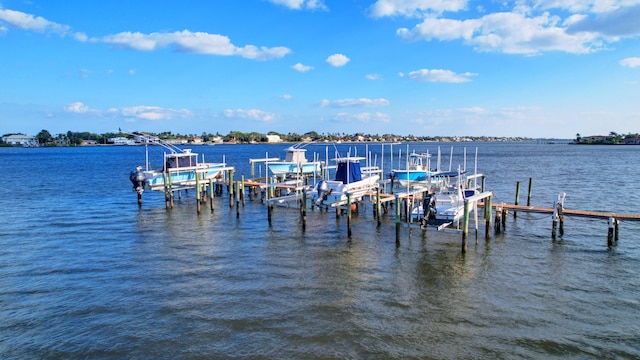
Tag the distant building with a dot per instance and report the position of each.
(274, 138)
(20, 139)
(631, 141)
(89, 142)
(121, 140)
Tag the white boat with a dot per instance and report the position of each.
(351, 183)
(417, 171)
(179, 170)
(446, 205)
(294, 164)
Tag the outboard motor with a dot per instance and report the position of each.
(137, 179)
(323, 191)
(428, 206)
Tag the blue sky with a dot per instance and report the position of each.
(544, 68)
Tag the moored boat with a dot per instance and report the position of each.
(350, 184)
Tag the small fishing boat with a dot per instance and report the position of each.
(294, 164)
(446, 205)
(417, 171)
(180, 169)
(351, 183)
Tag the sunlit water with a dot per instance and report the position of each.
(86, 273)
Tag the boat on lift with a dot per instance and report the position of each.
(294, 164)
(180, 168)
(351, 183)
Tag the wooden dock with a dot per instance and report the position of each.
(567, 212)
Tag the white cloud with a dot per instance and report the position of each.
(631, 62)
(511, 33)
(76, 107)
(253, 114)
(301, 4)
(364, 117)
(192, 42)
(301, 68)
(438, 75)
(139, 112)
(373, 77)
(286, 97)
(337, 60)
(415, 8)
(26, 21)
(355, 102)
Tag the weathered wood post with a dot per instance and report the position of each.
(610, 232)
(529, 194)
(465, 225)
(560, 219)
(231, 188)
(398, 209)
(237, 185)
(198, 192)
(515, 213)
(497, 224)
(378, 207)
(167, 201)
(303, 209)
(242, 190)
(487, 216)
(348, 215)
(615, 231)
(211, 193)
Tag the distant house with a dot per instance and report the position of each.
(121, 140)
(20, 139)
(274, 138)
(89, 142)
(631, 141)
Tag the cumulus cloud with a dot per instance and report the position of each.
(511, 33)
(253, 114)
(301, 4)
(355, 102)
(631, 62)
(301, 68)
(76, 107)
(286, 97)
(192, 42)
(415, 8)
(622, 21)
(439, 75)
(24, 21)
(373, 77)
(337, 60)
(364, 117)
(139, 112)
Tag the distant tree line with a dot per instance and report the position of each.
(612, 139)
(45, 138)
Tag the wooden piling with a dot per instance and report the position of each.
(465, 225)
(497, 223)
(348, 216)
(167, 202)
(378, 217)
(211, 193)
(398, 209)
(487, 216)
(515, 213)
(529, 193)
(303, 208)
(198, 192)
(610, 232)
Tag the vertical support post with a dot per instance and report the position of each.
(560, 220)
(398, 209)
(237, 191)
(198, 192)
(230, 188)
(498, 220)
(378, 206)
(465, 226)
(504, 219)
(269, 211)
(211, 193)
(348, 215)
(615, 230)
(303, 208)
(515, 213)
(611, 230)
(167, 202)
(529, 193)
(242, 190)
(487, 216)
(484, 180)
(554, 220)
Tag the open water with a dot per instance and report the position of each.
(86, 273)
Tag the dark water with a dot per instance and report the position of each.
(86, 273)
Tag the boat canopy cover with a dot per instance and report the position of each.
(296, 155)
(174, 162)
(348, 172)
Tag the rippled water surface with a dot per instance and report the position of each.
(86, 273)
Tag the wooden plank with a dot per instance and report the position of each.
(568, 212)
